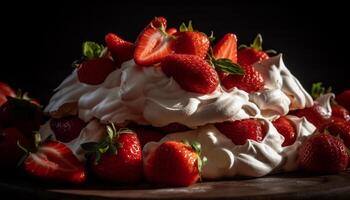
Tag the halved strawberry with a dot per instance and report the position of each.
(171, 31)
(120, 49)
(55, 161)
(226, 48)
(153, 44)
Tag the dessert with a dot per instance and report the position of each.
(204, 109)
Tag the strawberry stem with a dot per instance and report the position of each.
(257, 43)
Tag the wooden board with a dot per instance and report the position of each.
(283, 186)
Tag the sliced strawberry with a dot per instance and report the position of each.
(286, 128)
(120, 49)
(153, 44)
(171, 31)
(95, 71)
(55, 161)
(226, 48)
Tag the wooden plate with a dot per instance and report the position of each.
(282, 186)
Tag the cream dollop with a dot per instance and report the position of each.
(145, 95)
(253, 159)
(282, 91)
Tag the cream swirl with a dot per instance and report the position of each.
(147, 96)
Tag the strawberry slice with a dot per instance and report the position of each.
(55, 161)
(153, 44)
(226, 48)
(171, 31)
(120, 49)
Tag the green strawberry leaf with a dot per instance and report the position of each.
(184, 28)
(257, 43)
(226, 65)
(318, 90)
(92, 50)
(211, 37)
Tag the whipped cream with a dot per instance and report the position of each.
(146, 95)
(253, 159)
(282, 91)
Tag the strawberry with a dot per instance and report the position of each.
(171, 31)
(19, 112)
(67, 128)
(5, 91)
(117, 158)
(314, 115)
(226, 48)
(95, 71)
(120, 49)
(286, 128)
(240, 131)
(174, 127)
(54, 161)
(147, 134)
(192, 43)
(340, 112)
(252, 54)
(340, 127)
(174, 164)
(153, 43)
(10, 154)
(191, 72)
(322, 153)
(343, 99)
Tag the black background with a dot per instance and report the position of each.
(40, 40)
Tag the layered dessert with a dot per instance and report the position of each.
(231, 112)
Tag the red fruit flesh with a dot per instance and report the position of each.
(95, 71)
(123, 166)
(6, 90)
(192, 43)
(55, 161)
(226, 48)
(120, 49)
(249, 56)
(343, 99)
(172, 164)
(191, 72)
(286, 128)
(67, 128)
(322, 153)
(241, 130)
(171, 31)
(314, 115)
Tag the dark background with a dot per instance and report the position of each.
(40, 40)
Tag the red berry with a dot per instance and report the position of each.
(343, 99)
(147, 134)
(314, 115)
(249, 56)
(340, 112)
(192, 43)
(67, 128)
(95, 71)
(120, 49)
(286, 128)
(322, 153)
(226, 48)
(240, 131)
(5, 90)
(191, 72)
(174, 127)
(340, 127)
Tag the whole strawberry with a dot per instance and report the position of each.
(10, 153)
(54, 161)
(67, 128)
(286, 128)
(252, 54)
(188, 41)
(5, 91)
(94, 67)
(120, 49)
(343, 99)
(340, 127)
(322, 153)
(340, 112)
(146, 134)
(20, 113)
(314, 115)
(191, 72)
(118, 158)
(174, 164)
(240, 131)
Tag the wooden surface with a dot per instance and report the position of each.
(283, 186)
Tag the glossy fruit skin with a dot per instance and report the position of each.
(120, 49)
(240, 131)
(339, 111)
(191, 72)
(343, 99)
(54, 161)
(95, 71)
(192, 43)
(5, 91)
(226, 48)
(172, 164)
(249, 56)
(22, 114)
(340, 127)
(67, 128)
(147, 134)
(314, 115)
(10, 153)
(286, 128)
(125, 165)
(323, 154)
(152, 45)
